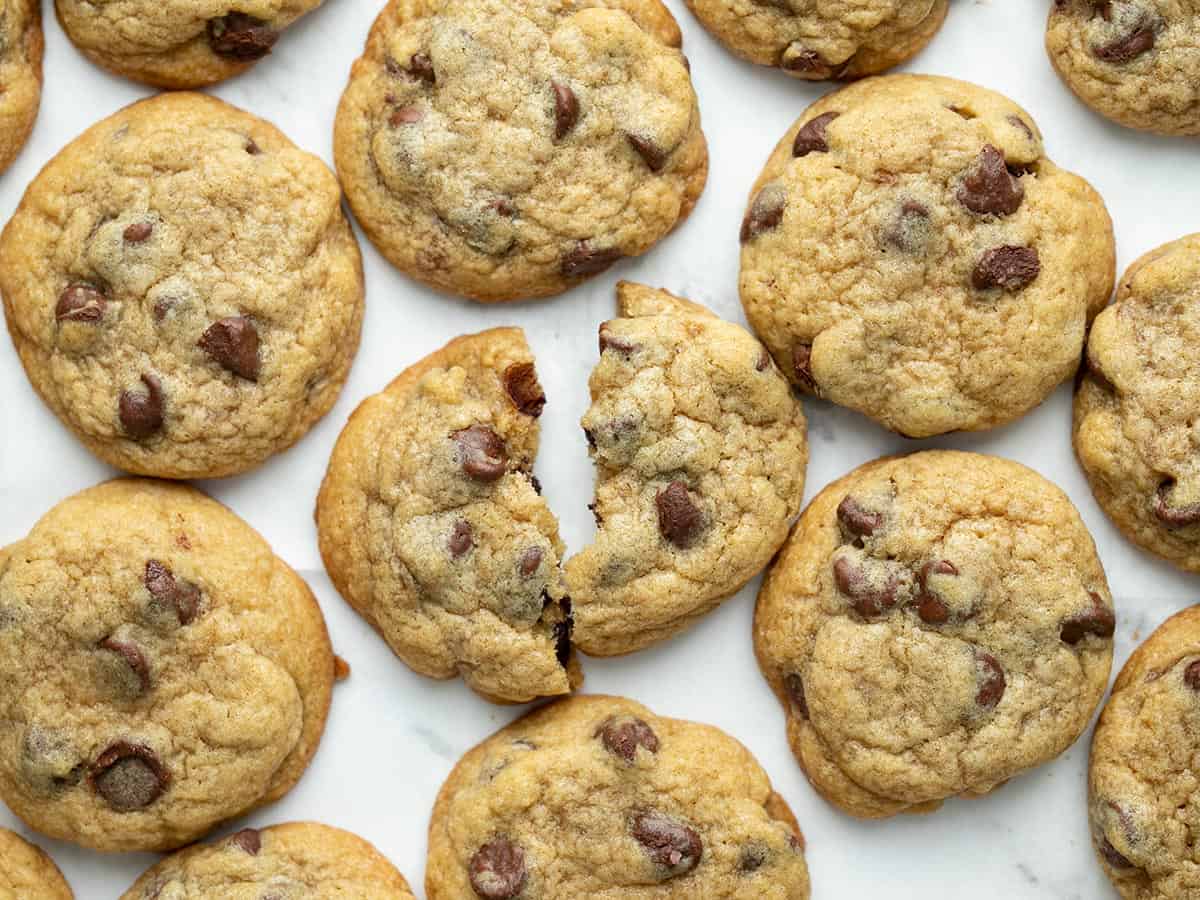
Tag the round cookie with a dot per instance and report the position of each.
(1136, 62)
(597, 796)
(816, 41)
(307, 858)
(700, 451)
(501, 149)
(936, 624)
(183, 44)
(27, 873)
(1137, 404)
(183, 288)
(1142, 798)
(909, 252)
(161, 670)
(431, 526)
(21, 46)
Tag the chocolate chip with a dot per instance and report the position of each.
(610, 341)
(1099, 621)
(562, 632)
(679, 519)
(669, 843)
(1110, 853)
(583, 260)
(1112, 856)
(1139, 38)
(764, 360)
(138, 232)
(811, 136)
(856, 518)
(753, 857)
(802, 367)
(1173, 516)
(460, 540)
(794, 685)
(420, 67)
(241, 37)
(80, 302)
(867, 598)
(566, 109)
(654, 156)
(908, 228)
(1008, 268)
(128, 776)
(132, 656)
(405, 115)
(622, 735)
(1191, 675)
(248, 839)
(535, 484)
(182, 597)
(252, 147)
(497, 870)
(521, 382)
(930, 607)
(989, 188)
(991, 680)
(765, 213)
(141, 414)
(798, 58)
(233, 343)
(481, 452)
(1018, 122)
(530, 561)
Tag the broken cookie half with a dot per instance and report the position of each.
(700, 452)
(432, 528)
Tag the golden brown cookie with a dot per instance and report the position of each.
(911, 253)
(296, 860)
(700, 453)
(27, 873)
(935, 624)
(431, 526)
(21, 47)
(1137, 404)
(596, 796)
(161, 670)
(501, 149)
(183, 289)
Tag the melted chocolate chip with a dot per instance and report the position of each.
(521, 382)
(856, 519)
(233, 344)
(461, 539)
(566, 110)
(182, 597)
(405, 115)
(530, 561)
(141, 414)
(765, 213)
(794, 685)
(610, 341)
(583, 260)
(908, 229)
(1138, 39)
(128, 776)
(654, 156)
(80, 302)
(669, 843)
(623, 735)
(1008, 268)
(1191, 676)
(240, 37)
(138, 232)
(989, 188)
(764, 360)
(497, 870)
(1099, 621)
(867, 599)
(930, 607)
(420, 67)
(132, 657)
(991, 680)
(562, 633)
(753, 857)
(1173, 516)
(811, 136)
(248, 840)
(481, 452)
(679, 519)
(802, 367)
(1112, 856)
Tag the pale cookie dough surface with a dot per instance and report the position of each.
(822, 39)
(27, 873)
(161, 670)
(178, 43)
(511, 148)
(1136, 62)
(909, 252)
(597, 797)
(431, 526)
(21, 46)
(296, 860)
(183, 288)
(1142, 796)
(1136, 409)
(700, 452)
(936, 624)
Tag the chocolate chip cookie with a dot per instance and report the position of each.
(700, 451)
(182, 44)
(431, 526)
(299, 859)
(27, 873)
(841, 39)
(20, 74)
(1137, 404)
(1136, 62)
(597, 796)
(501, 149)
(936, 624)
(161, 670)
(1142, 798)
(183, 288)
(909, 252)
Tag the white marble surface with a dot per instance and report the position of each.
(392, 735)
